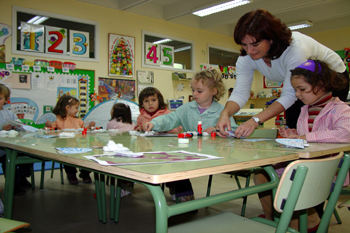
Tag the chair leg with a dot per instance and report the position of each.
(52, 169)
(337, 217)
(42, 175)
(163, 187)
(32, 178)
(61, 171)
(209, 185)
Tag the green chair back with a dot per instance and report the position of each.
(8, 225)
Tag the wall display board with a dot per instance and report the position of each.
(121, 55)
(35, 93)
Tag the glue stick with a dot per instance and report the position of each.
(199, 128)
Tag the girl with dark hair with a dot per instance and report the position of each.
(121, 118)
(269, 47)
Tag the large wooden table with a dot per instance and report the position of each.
(236, 155)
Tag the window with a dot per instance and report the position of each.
(222, 56)
(91, 28)
(183, 52)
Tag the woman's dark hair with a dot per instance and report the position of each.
(262, 25)
(63, 101)
(121, 112)
(151, 91)
(324, 78)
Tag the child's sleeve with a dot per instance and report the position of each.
(166, 122)
(234, 125)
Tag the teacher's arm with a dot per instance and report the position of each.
(245, 129)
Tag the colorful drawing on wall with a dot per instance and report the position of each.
(56, 40)
(272, 84)
(32, 37)
(121, 55)
(79, 44)
(5, 32)
(66, 91)
(116, 89)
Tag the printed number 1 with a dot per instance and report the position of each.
(152, 54)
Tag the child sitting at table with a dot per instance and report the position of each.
(121, 118)
(152, 105)
(23, 170)
(323, 118)
(207, 88)
(66, 110)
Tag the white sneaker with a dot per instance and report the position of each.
(173, 197)
(123, 193)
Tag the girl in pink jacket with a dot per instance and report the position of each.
(121, 118)
(151, 103)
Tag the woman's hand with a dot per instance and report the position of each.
(245, 129)
(223, 123)
(209, 130)
(147, 126)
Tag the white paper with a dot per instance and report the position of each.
(38, 80)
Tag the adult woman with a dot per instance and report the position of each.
(271, 48)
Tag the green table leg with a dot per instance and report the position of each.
(116, 196)
(111, 194)
(103, 198)
(98, 195)
(11, 156)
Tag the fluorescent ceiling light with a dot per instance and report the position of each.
(32, 20)
(300, 25)
(182, 49)
(42, 19)
(161, 41)
(221, 7)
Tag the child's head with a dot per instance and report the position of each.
(4, 95)
(208, 79)
(66, 106)
(121, 112)
(313, 79)
(151, 99)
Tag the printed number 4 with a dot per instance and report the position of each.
(152, 54)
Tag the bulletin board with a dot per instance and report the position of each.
(34, 94)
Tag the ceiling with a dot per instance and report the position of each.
(324, 14)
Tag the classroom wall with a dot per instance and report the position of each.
(120, 22)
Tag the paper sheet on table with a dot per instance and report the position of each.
(150, 158)
(72, 150)
(297, 143)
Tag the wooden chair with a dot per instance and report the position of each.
(304, 184)
(246, 173)
(8, 225)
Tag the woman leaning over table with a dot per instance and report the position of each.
(270, 47)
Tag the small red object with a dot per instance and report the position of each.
(181, 135)
(213, 134)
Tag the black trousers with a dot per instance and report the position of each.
(293, 112)
(22, 171)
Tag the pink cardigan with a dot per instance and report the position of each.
(332, 124)
(146, 117)
(114, 124)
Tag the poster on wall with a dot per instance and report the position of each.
(79, 44)
(167, 56)
(109, 88)
(32, 37)
(204, 66)
(55, 40)
(121, 55)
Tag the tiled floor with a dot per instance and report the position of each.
(67, 208)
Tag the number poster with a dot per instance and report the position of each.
(121, 55)
(159, 55)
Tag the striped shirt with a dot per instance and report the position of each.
(316, 108)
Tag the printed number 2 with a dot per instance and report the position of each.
(79, 43)
(53, 47)
(152, 54)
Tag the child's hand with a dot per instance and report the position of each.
(92, 124)
(287, 132)
(48, 123)
(147, 126)
(138, 128)
(7, 127)
(210, 130)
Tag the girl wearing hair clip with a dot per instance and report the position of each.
(323, 118)
(66, 110)
(121, 118)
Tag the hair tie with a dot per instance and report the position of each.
(70, 100)
(311, 66)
